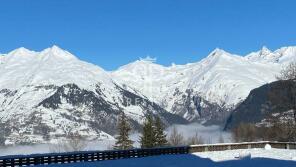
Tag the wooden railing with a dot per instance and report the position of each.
(91, 156)
(86, 156)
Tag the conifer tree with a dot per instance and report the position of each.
(2, 134)
(147, 139)
(122, 140)
(160, 136)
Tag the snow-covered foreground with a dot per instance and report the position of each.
(280, 154)
(259, 158)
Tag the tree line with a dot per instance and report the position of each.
(278, 131)
(152, 135)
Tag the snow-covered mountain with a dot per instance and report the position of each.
(50, 94)
(207, 90)
(281, 56)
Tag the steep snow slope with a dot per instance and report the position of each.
(208, 89)
(52, 94)
(225, 78)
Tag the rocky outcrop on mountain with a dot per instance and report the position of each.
(269, 102)
(195, 108)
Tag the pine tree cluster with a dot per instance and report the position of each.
(153, 134)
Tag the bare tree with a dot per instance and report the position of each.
(74, 142)
(221, 139)
(195, 139)
(57, 147)
(209, 140)
(288, 72)
(245, 132)
(176, 138)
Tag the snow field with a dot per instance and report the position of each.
(280, 154)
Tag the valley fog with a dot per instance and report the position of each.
(209, 134)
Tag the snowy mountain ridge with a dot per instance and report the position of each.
(282, 55)
(23, 66)
(221, 79)
(50, 94)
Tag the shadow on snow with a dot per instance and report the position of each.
(187, 160)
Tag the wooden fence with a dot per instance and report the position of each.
(91, 156)
(86, 156)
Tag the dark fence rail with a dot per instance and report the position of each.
(91, 156)
(86, 156)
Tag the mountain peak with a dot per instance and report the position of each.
(264, 55)
(145, 65)
(57, 52)
(55, 48)
(265, 51)
(218, 53)
(21, 52)
(147, 59)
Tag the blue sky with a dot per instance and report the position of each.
(111, 33)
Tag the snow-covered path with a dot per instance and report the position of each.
(260, 158)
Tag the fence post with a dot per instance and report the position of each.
(4, 162)
(12, 162)
(287, 146)
(206, 148)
